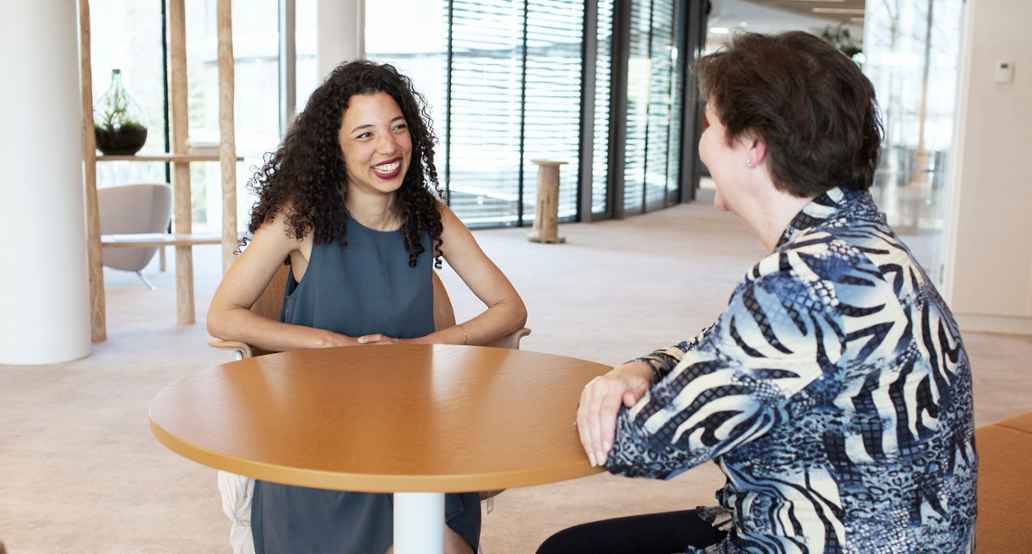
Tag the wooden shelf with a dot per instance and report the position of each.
(165, 158)
(181, 156)
(156, 240)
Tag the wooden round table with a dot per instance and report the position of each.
(414, 420)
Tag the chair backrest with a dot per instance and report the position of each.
(270, 302)
(129, 209)
(444, 313)
(135, 208)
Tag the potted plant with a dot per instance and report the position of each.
(840, 37)
(117, 121)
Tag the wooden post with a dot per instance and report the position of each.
(98, 308)
(227, 144)
(546, 218)
(183, 221)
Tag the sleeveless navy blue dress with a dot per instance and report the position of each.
(363, 288)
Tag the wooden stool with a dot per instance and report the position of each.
(546, 219)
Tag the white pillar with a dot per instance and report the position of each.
(44, 298)
(341, 33)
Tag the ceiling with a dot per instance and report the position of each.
(778, 16)
(843, 11)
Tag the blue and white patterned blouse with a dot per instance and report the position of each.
(834, 393)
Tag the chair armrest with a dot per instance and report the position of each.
(241, 348)
(512, 340)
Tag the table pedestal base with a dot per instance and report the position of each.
(418, 522)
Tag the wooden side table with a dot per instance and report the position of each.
(546, 218)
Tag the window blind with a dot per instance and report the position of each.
(673, 176)
(514, 97)
(485, 111)
(603, 81)
(552, 107)
(660, 104)
(638, 90)
(654, 90)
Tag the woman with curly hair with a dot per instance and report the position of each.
(348, 201)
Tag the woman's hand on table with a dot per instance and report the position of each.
(329, 339)
(600, 402)
(378, 338)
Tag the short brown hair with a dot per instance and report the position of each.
(811, 104)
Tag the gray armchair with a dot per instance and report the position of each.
(131, 209)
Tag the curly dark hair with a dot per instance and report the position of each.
(811, 104)
(307, 176)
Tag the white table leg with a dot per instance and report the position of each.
(418, 522)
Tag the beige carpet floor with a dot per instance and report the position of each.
(80, 472)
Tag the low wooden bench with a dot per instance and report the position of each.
(1004, 486)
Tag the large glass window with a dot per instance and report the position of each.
(306, 44)
(602, 125)
(654, 97)
(256, 75)
(553, 98)
(912, 56)
(506, 92)
(512, 75)
(486, 111)
(127, 36)
(503, 83)
(412, 36)
(636, 118)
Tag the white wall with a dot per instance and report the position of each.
(44, 298)
(989, 248)
(341, 33)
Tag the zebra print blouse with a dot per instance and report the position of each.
(834, 392)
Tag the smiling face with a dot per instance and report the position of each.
(376, 144)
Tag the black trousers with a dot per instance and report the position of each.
(662, 533)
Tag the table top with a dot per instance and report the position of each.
(398, 418)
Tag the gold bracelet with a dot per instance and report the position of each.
(465, 335)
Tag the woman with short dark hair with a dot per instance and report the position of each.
(834, 392)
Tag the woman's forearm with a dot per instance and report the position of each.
(240, 324)
(496, 322)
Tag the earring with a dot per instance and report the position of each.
(749, 163)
